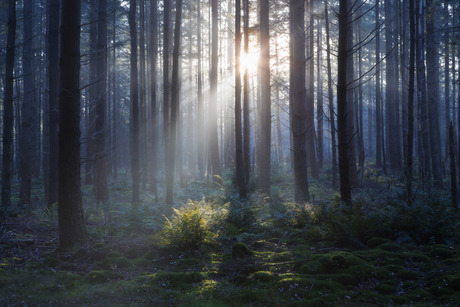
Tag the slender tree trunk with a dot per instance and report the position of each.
(330, 97)
(424, 153)
(175, 97)
(153, 97)
(142, 97)
(298, 100)
(92, 92)
(447, 78)
(114, 131)
(319, 100)
(378, 116)
(8, 113)
(343, 110)
(27, 137)
(433, 96)
(410, 107)
(238, 127)
(453, 176)
(246, 106)
(201, 152)
(134, 122)
(311, 134)
(100, 163)
(70, 211)
(265, 103)
(213, 139)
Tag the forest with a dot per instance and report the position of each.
(229, 152)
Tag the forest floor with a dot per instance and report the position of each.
(217, 251)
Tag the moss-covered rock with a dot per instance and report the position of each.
(241, 250)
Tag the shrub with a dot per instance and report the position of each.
(186, 229)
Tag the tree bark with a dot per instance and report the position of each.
(213, 139)
(298, 101)
(410, 107)
(330, 97)
(175, 91)
(238, 124)
(71, 220)
(153, 97)
(433, 97)
(28, 128)
(246, 106)
(343, 110)
(8, 113)
(53, 104)
(100, 163)
(265, 103)
(134, 122)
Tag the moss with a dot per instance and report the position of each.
(376, 241)
(263, 276)
(418, 295)
(385, 288)
(241, 250)
(141, 262)
(391, 247)
(178, 280)
(442, 251)
(98, 276)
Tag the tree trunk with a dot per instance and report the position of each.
(201, 152)
(100, 163)
(432, 66)
(213, 139)
(330, 97)
(175, 91)
(453, 176)
(134, 122)
(311, 135)
(298, 100)
(8, 113)
(53, 85)
(246, 106)
(153, 97)
(27, 138)
(265, 103)
(70, 211)
(424, 153)
(319, 103)
(410, 107)
(238, 124)
(343, 116)
(378, 116)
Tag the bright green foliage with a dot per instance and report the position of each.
(187, 228)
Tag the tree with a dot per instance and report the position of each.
(246, 107)
(298, 100)
(378, 116)
(153, 48)
(311, 134)
(391, 88)
(100, 163)
(53, 98)
(433, 97)
(330, 97)
(410, 107)
(343, 116)
(134, 122)
(213, 140)
(424, 147)
(8, 116)
(265, 105)
(70, 212)
(174, 104)
(238, 124)
(28, 140)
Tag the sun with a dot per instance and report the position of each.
(249, 61)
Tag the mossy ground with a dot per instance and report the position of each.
(266, 252)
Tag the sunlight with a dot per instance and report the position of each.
(249, 61)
